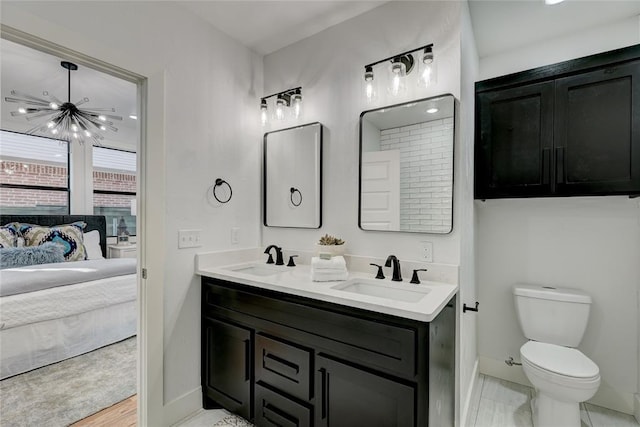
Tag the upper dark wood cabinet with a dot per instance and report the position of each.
(569, 129)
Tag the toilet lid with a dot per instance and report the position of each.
(560, 360)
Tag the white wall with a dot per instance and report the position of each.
(202, 124)
(587, 243)
(330, 66)
(468, 294)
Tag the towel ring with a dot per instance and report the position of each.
(219, 182)
(294, 191)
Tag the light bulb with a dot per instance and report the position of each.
(397, 74)
(22, 110)
(87, 133)
(280, 103)
(369, 90)
(264, 118)
(427, 71)
(50, 125)
(54, 106)
(74, 128)
(296, 100)
(75, 135)
(54, 131)
(102, 118)
(103, 128)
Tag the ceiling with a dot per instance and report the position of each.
(266, 26)
(504, 25)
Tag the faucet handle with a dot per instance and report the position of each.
(380, 274)
(291, 263)
(270, 260)
(414, 278)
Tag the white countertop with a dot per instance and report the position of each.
(297, 281)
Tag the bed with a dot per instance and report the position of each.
(45, 319)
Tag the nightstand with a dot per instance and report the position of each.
(121, 251)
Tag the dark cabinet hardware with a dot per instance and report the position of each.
(415, 279)
(291, 262)
(380, 274)
(465, 308)
(279, 258)
(397, 273)
(324, 392)
(559, 165)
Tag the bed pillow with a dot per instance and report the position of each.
(30, 255)
(69, 236)
(8, 237)
(92, 245)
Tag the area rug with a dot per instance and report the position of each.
(233, 420)
(67, 391)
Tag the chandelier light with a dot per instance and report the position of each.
(64, 120)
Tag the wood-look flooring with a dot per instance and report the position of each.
(122, 414)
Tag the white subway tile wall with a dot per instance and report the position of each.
(426, 173)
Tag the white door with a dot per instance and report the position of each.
(380, 191)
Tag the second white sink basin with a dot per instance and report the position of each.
(383, 289)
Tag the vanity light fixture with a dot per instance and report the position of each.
(288, 102)
(400, 66)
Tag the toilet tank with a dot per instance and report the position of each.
(552, 315)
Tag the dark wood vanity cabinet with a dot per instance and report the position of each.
(569, 129)
(282, 360)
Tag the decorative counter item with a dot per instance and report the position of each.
(331, 246)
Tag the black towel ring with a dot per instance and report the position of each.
(293, 191)
(219, 182)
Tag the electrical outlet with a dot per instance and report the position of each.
(234, 235)
(189, 239)
(426, 251)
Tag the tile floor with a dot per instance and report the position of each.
(499, 403)
(496, 403)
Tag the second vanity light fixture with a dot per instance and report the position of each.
(287, 103)
(400, 66)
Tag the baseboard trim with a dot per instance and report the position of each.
(606, 396)
(470, 393)
(183, 407)
(636, 404)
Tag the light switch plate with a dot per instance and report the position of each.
(189, 239)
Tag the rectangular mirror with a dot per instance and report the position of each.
(293, 177)
(406, 167)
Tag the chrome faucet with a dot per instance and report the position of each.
(279, 259)
(397, 274)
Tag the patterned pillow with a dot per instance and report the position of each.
(68, 235)
(8, 237)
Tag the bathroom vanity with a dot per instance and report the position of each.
(281, 359)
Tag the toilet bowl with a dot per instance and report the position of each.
(563, 377)
(554, 321)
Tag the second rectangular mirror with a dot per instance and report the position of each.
(406, 167)
(293, 177)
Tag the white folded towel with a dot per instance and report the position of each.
(335, 263)
(329, 275)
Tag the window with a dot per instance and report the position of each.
(114, 189)
(34, 175)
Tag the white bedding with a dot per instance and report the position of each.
(64, 301)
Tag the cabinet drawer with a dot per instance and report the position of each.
(272, 409)
(283, 366)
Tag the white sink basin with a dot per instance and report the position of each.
(383, 289)
(256, 270)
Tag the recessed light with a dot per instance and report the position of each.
(552, 2)
(133, 117)
(432, 110)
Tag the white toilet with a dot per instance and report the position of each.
(554, 320)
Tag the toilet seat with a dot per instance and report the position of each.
(559, 361)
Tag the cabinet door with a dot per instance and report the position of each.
(597, 131)
(514, 137)
(347, 396)
(227, 365)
